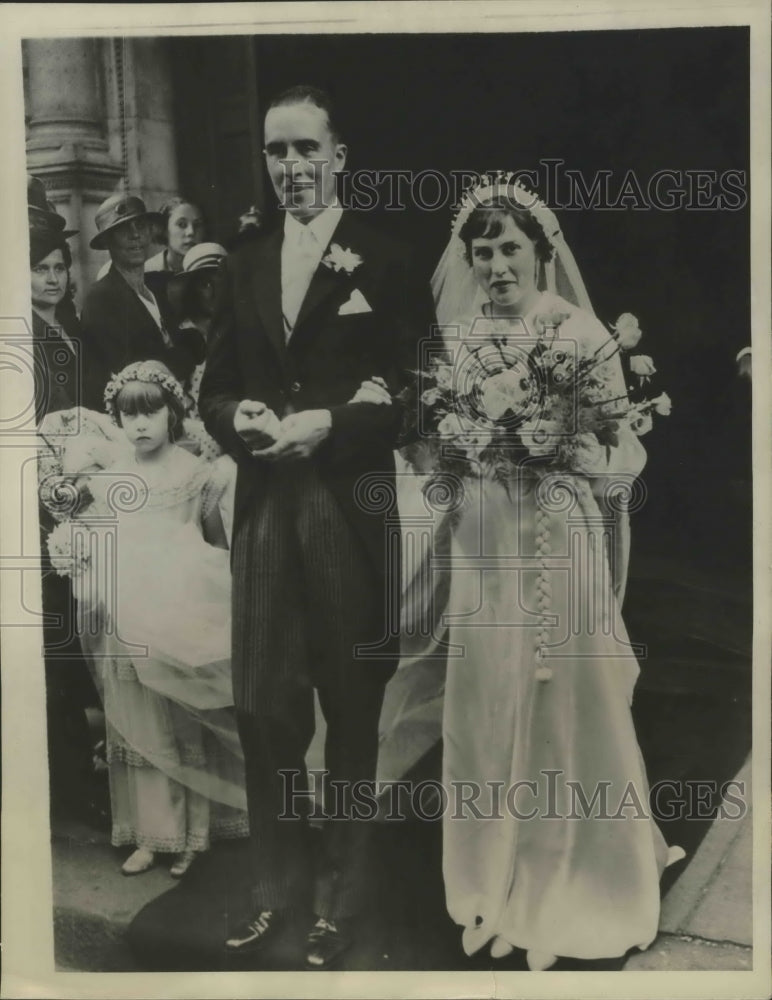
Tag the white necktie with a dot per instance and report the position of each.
(298, 266)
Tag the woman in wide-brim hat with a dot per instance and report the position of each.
(116, 211)
(126, 318)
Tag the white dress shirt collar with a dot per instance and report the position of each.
(321, 227)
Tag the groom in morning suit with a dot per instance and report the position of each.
(306, 314)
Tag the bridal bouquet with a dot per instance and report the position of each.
(502, 404)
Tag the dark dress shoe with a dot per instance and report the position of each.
(326, 943)
(251, 934)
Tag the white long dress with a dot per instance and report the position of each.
(532, 571)
(157, 630)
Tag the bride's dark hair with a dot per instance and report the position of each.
(487, 222)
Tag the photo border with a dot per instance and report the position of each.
(27, 884)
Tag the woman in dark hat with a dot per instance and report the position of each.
(123, 319)
(59, 385)
(55, 329)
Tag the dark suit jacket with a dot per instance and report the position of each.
(328, 356)
(59, 383)
(118, 330)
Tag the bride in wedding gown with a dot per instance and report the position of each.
(556, 853)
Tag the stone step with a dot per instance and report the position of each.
(706, 922)
(670, 953)
(94, 902)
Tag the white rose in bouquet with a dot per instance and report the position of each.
(507, 390)
(627, 331)
(642, 365)
(451, 426)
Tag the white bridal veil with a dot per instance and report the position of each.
(456, 292)
(411, 722)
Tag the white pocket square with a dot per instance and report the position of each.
(356, 304)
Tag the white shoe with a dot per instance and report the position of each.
(538, 961)
(138, 862)
(182, 862)
(500, 947)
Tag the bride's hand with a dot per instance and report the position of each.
(372, 390)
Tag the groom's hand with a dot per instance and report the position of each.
(255, 424)
(299, 436)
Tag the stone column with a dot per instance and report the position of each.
(65, 93)
(67, 137)
(99, 118)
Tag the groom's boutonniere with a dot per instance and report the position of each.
(340, 259)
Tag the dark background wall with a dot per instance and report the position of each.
(617, 100)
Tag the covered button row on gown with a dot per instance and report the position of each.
(544, 590)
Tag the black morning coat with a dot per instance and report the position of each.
(330, 353)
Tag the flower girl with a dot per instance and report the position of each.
(154, 597)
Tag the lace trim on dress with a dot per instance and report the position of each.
(122, 489)
(230, 828)
(187, 754)
(185, 489)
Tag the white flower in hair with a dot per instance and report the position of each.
(143, 371)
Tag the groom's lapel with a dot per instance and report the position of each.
(267, 289)
(325, 280)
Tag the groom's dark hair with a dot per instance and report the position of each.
(306, 94)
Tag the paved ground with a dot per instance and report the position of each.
(706, 920)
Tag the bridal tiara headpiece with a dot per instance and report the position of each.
(142, 371)
(504, 185)
(454, 285)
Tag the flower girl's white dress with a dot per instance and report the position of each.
(156, 599)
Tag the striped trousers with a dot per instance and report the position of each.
(303, 591)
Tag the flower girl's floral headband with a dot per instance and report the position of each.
(142, 371)
(502, 185)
